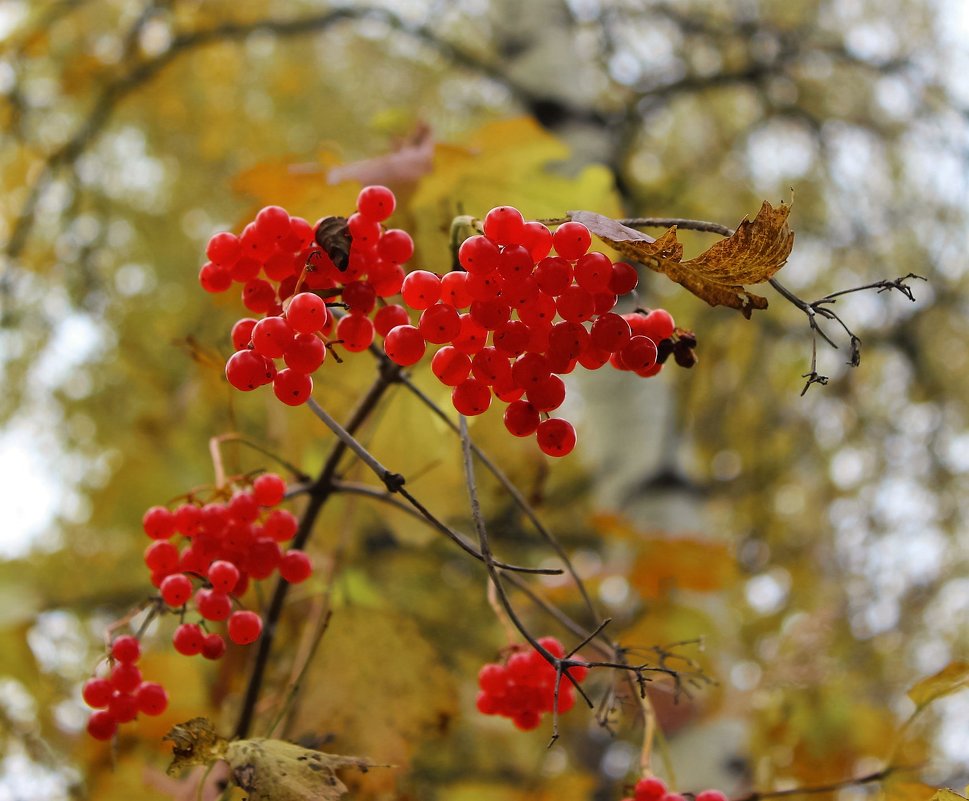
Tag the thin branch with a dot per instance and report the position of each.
(869, 778)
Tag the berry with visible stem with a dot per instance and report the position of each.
(188, 639)
(571, 240)
(244, 627)
(306, 313)
(649, 789)
(242, 333)
(151, 698)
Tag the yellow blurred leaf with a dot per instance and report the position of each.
(952, 678)
(682, 564)
(755, 252)
(945, 794)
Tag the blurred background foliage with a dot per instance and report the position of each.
(816, 544)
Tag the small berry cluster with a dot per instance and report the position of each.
(525, 323)
(120, 696)
(653, 789)
(287, 268)
(523, 687)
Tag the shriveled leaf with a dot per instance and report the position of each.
(755, 252)
(952, 678)
(274, 770)
(269, 770)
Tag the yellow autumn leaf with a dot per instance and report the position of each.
(952, 678)
(755, 252)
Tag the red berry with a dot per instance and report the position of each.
(512, 337)
(638, 353)
(97, 693)
(102, 725)
(658, 325)
(537, 239)
(576, 304)
(527, 719)
(479, 255)
(593, 272)
(306, 353)
(272, 223)
(490, 365)
(386, 278)
(188, 639)
(151, 698)
(504, 225)
(213, 646)
(471, 397)
(306, 313)
(454, 290)
(159, 523)
(224, 249)
(242, 333)
(280, 524)
(556, 437)
(571, 240)
(271, 336)
(295, 566)
(244, 627)
(390, 317)
(376, 203)
(268, 489)
(451, 366)
(395, 246)
(650, 789)
(487, 704)
(356, 332)
(553, 646)
(404, 345)
(521, 418)
(213, 605)
(127, 648)
(421, 289)
(553, 275)
(490, 314)
(214, 278)
(710, 795)
(548, 394)
(515, 265)
(292, 387)
(247, 370)
(263, 558)
(473, 336)
(258, 295)
(440, 323)
(123, 707)
(360, 296)
(176, 589)
(624, 278)
(493, 678)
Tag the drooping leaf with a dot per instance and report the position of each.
(952, 678)
(269, 770)
(755, 252)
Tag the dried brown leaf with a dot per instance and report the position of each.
(755, 252)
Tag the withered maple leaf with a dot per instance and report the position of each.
(755, 252)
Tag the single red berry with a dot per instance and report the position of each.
(538, 312)
(566, 340)
(571, 240)
(292, 387)
(224, 249)
(440, 323)
(553, 646)
(376, 203)
(593, 272)
(650, 789)
(658, 325)
(553, 275)
(556, 437)
(188, 639)
(272, 223)
(213, 646)
(176, 589)
(151, 698)
(390, 317)
(530, 369)
(404, 345)
(515, 265)
(624, 278)
(493, 678)
(102, 725)
(710, 795)
(487, 704)
(478, 255)
(576, 304)
(504, 225)
(395, 246)
(548, 394)
(360, 296)
(473, 336)
(306, 353)
(244, 627)
(213, 605)
(491, 366)
(454, 290)
(268, 489)
(512, 337)
(527, 719)
(386, 278)
(242, 333)
(242, 507)
(245, 269)
(214, 278)
(295, 566)
(263, 558)
(471, 397)
(638, 353)
(306, 313)
(123, 707)
(363, 232)
(355, 331)
(247, 370)
(451, 366)
(223, 575)
(282, 266)
(126, 648)
(280, 524)
(484, 286)
(258, 295)
(97, 693)
(537, 239)
(159, 523)
(521, 418)
(421, 289)
(490, 314)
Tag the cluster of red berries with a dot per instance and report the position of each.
(119, 697)
(509, 323)
(523, 686)
(653, 789)
(287, 268)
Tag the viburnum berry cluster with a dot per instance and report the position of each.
(508, 324)
(652, 789)
(223, 546)
(287, 268)
(523, 686)
(122, 694)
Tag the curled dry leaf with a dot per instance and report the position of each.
(757, 250)
(269, 770)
